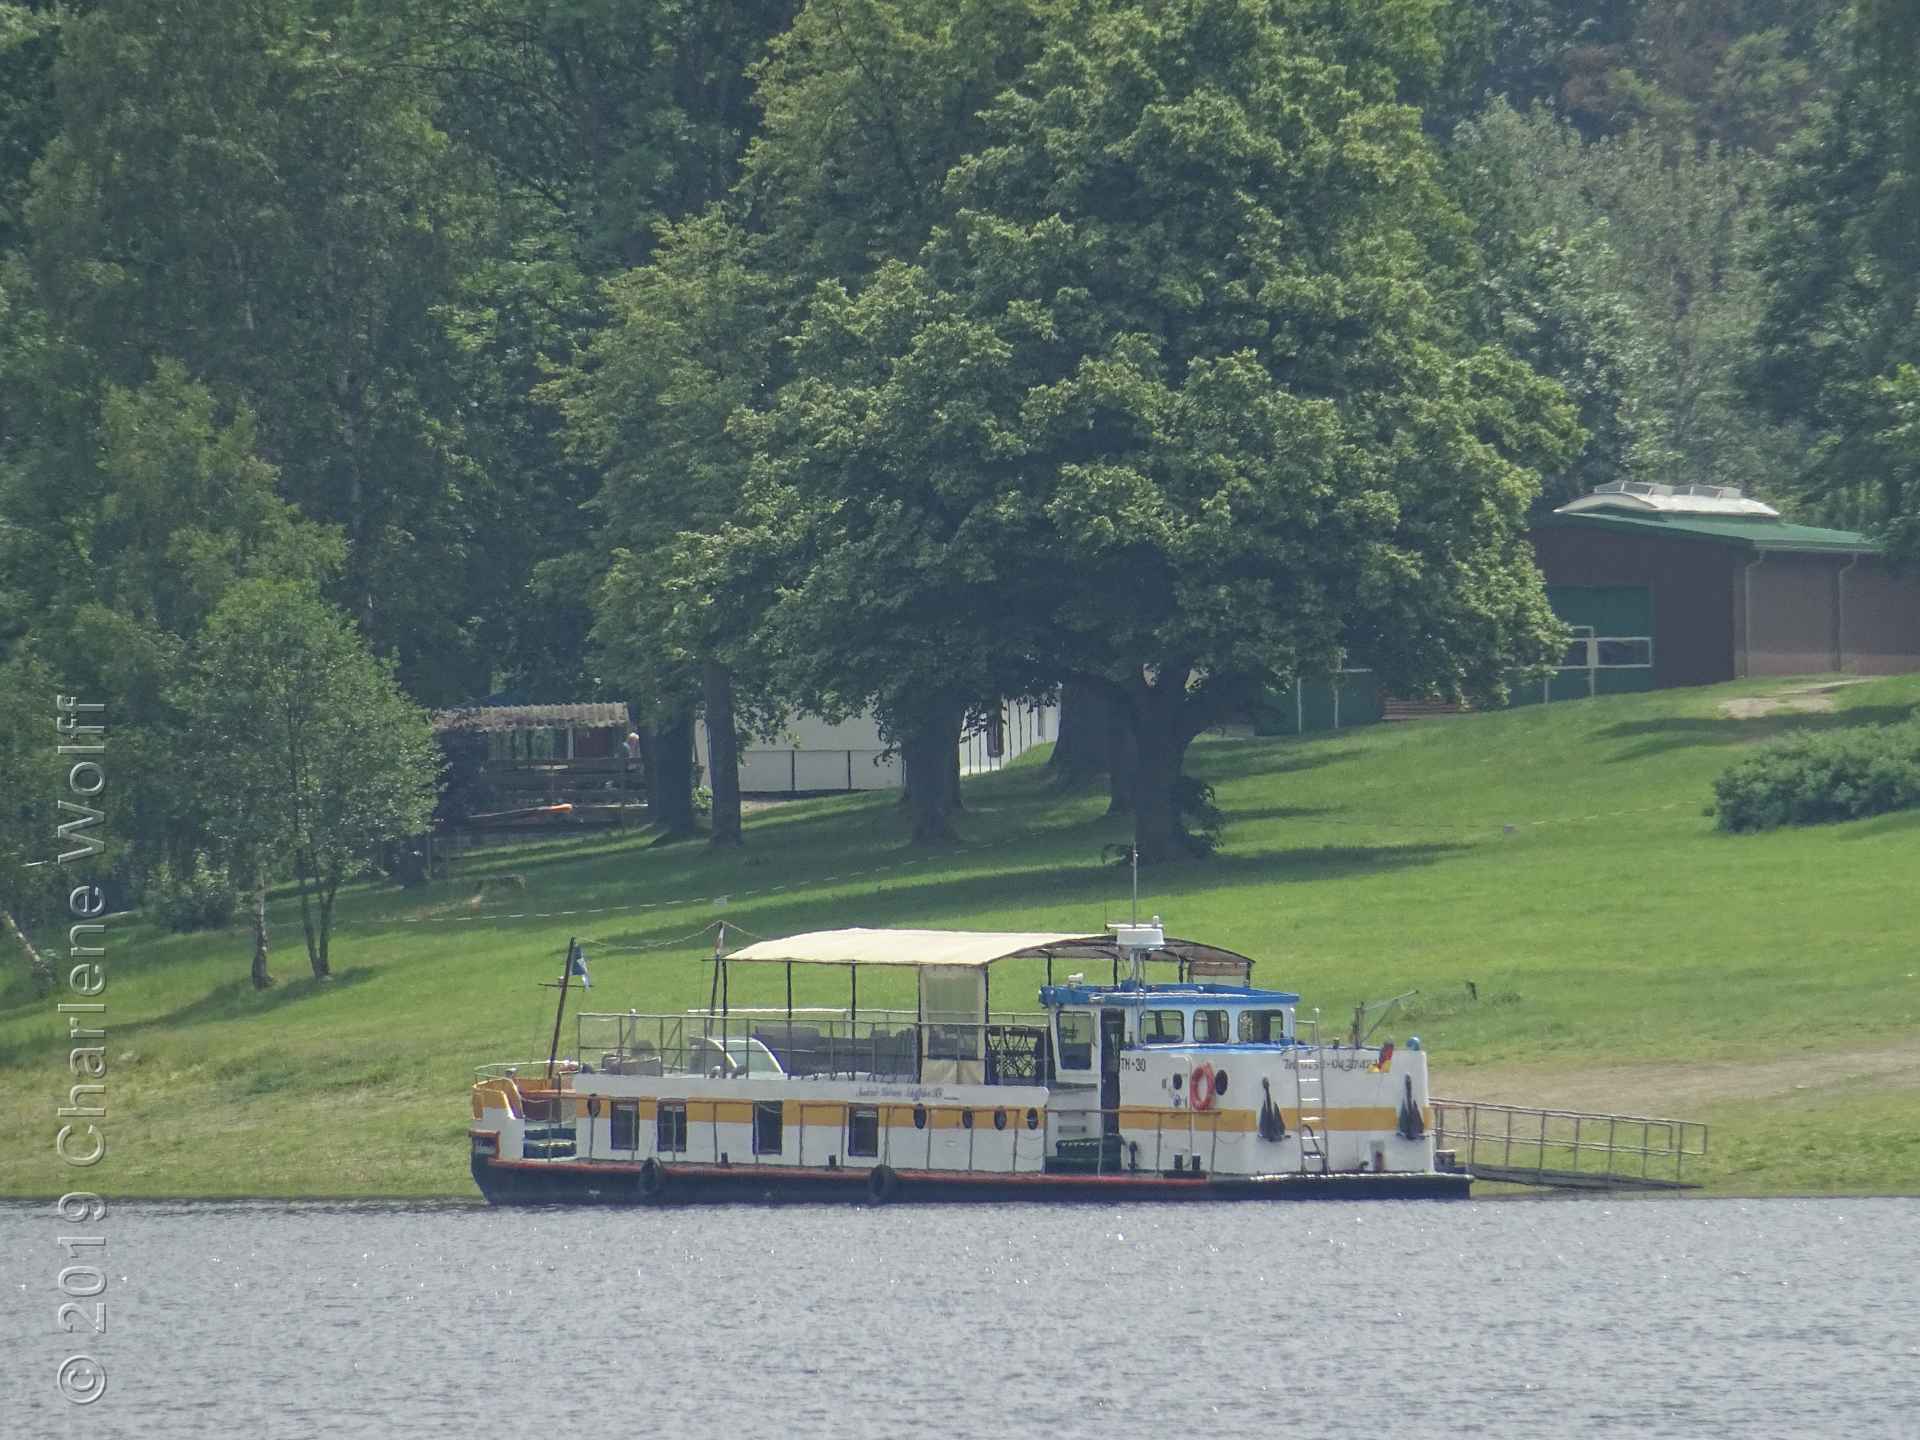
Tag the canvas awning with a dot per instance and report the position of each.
(972, 948)
(915, 948)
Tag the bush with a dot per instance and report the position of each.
(1809, 777)
(203, 901)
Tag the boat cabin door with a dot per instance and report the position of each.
(1113, 1032)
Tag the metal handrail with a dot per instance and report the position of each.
(1569, 1133)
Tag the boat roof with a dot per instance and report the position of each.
(1140, 996)
(974, 949)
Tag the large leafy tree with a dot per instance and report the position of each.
(234, 186)
(691, 344)
(598, 123)
(1840, 253)
(310, 757)
(1178, 402)
(31, 784)
(1620, 267)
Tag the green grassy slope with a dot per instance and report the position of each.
(1622, 954)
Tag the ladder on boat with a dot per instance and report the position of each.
(1310, 1103)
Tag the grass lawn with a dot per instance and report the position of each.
(1579, 933)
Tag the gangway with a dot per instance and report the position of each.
(1568, 1149)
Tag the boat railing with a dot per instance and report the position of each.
(1009, 1048)
(523, 1069)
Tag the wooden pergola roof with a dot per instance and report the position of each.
(594, 715)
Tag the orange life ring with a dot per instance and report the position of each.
(1200, 1087)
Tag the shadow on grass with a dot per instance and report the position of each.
(1900, 822)
(233, 1000)
(1239, 815)
(238, 1000)
(950, 900)
(1657, 737)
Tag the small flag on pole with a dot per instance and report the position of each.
(578, 968)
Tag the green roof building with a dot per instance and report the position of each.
(1716, 586)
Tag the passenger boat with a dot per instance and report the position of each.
(1195, 1086)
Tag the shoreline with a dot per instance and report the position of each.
(1495, 1190)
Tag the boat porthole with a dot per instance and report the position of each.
(1000, 1119)
(1219, 1082)
(1178, 1079)
(966, 1119)
(919, 1117)
(1033, 1118)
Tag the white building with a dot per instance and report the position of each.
(813, 756)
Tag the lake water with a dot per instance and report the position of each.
(1539, 1318)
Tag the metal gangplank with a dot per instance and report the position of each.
(1569, 1149)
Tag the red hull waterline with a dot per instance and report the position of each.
(552, 1182)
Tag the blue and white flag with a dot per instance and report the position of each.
(578, 967)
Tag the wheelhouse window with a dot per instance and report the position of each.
(1162, 1027)
(1263, 1027)
(769, 1127)
(670, 1128)
(863, 1131)
(625, 1120)
(1076, 1040)
(1210, 1027)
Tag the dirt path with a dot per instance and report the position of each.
(1803, 699)
(1678, 1089)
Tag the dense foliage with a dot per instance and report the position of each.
(895, 356)
(1815, 776)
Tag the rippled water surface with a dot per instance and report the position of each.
(1536, 1318)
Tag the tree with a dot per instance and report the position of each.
(1176, 403)
(30, 784)
(691, 343)
(1839, 253)
(236, 187)
(311, 757)
(1620, 267)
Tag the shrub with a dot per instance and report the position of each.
(201, 901)
(1808, 777)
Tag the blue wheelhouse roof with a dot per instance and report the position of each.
(1128, 993)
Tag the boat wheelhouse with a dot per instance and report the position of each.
(1197, 1086)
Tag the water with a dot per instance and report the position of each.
(1527, 1318)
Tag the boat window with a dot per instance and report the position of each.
(769, 1122)
(1210, 1027)
(863, 1130)
(1263, 1027)
(1076, 1040)
(670, 1128)
(626, 1124)
(1162, 1027)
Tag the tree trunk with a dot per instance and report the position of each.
(670, 801)
(928, 759)
(314, 931)
(955, 804)
(261, 979)
(647, 758)
(329, 889)
(723, 753)
(306, 911)
(1161, 738)
(1081, 749)
(37, 965)
(1123, 758)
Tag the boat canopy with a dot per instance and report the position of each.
(972, 949)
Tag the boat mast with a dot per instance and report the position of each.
(566, 975)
